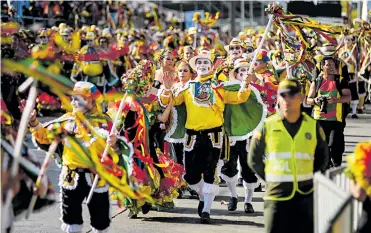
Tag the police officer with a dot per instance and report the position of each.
(285, 153)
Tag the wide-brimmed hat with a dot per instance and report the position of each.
(234, 42)
(238, 64)
(203, 54)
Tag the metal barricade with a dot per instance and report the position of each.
(342, 181)
(335, 211)
(328, 198)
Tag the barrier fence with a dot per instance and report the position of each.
(335, 210)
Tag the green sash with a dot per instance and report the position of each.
(240, 120)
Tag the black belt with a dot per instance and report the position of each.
(203, 132)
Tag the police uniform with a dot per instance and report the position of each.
(286, 155)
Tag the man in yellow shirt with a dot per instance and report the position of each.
(76, 178)
(205, 102)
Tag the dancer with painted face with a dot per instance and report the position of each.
(235, 52)
(239, 122)
(76, 178)
(205, 102)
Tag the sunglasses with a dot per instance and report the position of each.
(43, 37)
(234, 47)
(103, 42)
(249, 50)
(89, 41)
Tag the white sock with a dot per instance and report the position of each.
(248, 195)
(232, 188)
(354, 106)
(209, 198)
(219, 167)
(210, 191)
(199, 189)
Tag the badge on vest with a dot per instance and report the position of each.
(308, 136)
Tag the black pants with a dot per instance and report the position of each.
(201, 155)
(334, 131)
(73, 194)
(292, 216)
(238, 151)
(179, 150)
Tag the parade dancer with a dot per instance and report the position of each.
(349, 54)
(205, 103)
(76, 178)
(239, 122)
(98, 72)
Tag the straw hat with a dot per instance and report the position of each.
(203, 54)
(238, 64)
(234, 42)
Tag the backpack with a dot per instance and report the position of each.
(338, 78)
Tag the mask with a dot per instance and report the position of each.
(203, 66)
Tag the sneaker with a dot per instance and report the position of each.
(146, 208)
(240, 182)
(354, 116)
(232, 205)
(248, 208)
(200, 208)
(205, 218)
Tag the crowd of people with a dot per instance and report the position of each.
(159, 111)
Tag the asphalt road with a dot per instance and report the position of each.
(183, 218)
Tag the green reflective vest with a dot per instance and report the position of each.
(289, 159)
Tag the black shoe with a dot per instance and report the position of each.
(232, 205)
(259, 188)
(200, 208)
(192, 192)
(221, 181)
(360, 111)
(354, 116)
(132, 215)
(205, 218)
(181, 193)
(146, 208)
(240, 182)
(248, 208)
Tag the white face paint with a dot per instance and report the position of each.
(235, 51)
(203, 66)
(241, 73)
(79, 104)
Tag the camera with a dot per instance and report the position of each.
(322, 102)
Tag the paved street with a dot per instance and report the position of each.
(184, 217)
